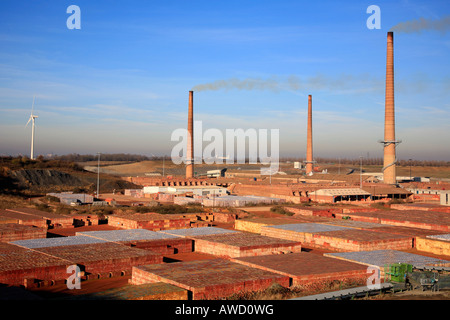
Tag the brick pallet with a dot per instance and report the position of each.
(144, 239)
(103, 258)
(52, 219)
(85, 220)
(195, 232)
(429, 220)
(302, 232)
(314, 211)
(14, 231)
(421, 206)
(7, 220)
(56, 242)
(254, 224)
(243, 245)
(339, 238)
(433, 245)
(208, 279)
(361, 240)
(25, 219)
(18, 264)
(150, 221)
(308, 269)
(164, 247)
(381, 258)
(408, 231)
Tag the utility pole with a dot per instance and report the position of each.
(98, 174)
(360, 171)
(410, 169)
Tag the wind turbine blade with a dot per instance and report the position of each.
(28, 122)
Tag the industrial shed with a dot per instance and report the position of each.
(337, 195)
(387, 192)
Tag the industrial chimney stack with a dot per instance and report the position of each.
(389, 168)
(309, 148)
(190, 140)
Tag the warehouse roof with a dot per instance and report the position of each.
(340, 192)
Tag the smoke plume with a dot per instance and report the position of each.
(423, 24)
(340, 83)
(271, 84)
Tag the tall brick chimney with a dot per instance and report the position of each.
(309, 147)
(190, 141)
(389, 168)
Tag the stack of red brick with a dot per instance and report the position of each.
(209, 279)
(14, 231)
(18, 265)
(150, 221)
(243, 244)
(38, 218)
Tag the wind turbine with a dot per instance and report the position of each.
(32, 118)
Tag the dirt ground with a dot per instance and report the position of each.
(417, 294)
(140, 168)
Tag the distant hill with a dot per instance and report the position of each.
(26, 176)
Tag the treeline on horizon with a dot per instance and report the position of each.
(374, 161)
(74, 157)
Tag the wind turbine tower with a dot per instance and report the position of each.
(32, 119)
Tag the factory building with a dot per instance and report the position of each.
(338, 195)
(69, 198)
(194, 190)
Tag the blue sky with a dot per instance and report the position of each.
(121, 82)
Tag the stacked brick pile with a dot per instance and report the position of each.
(53, 220)
(362, 209)
(25, 219)
(224, 217)
(150, 221)
(339, 238)
(243, 245)
(430, 220)
(382, 258)
(19, 265)
(436, 244)
(56, 242)
(192, 233)
(254, 225)
(209, 279)
(309, 270)
(420, 206)
(6, 220)
(85, 220)
(103, 259)
(14, 231)
(361, 240)
(144, 239)
(302, 232)
(354, 224)
(315, 211)
(96, 257)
